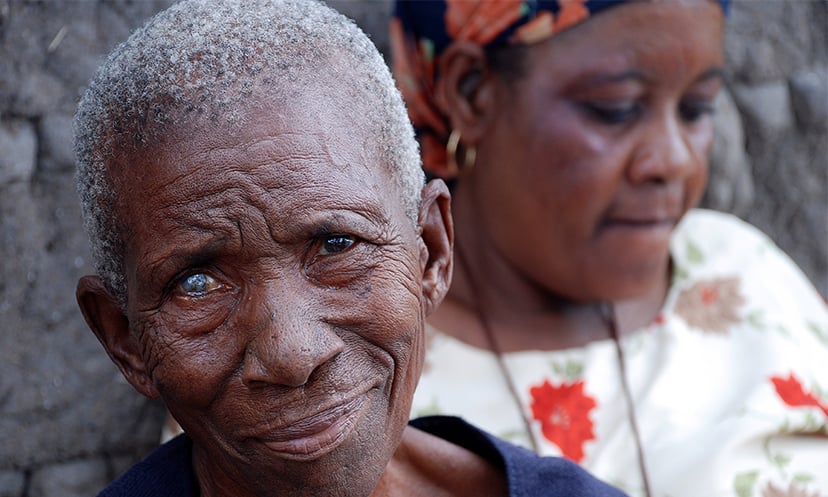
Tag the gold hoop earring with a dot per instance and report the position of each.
(451, 153)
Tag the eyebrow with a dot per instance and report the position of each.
(636, 75)
(174, 260)
(603, 78)
(195, 256)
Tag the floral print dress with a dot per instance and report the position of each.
(729, 384)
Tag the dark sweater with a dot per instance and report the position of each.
(168, 472)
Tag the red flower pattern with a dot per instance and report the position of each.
(791, 392)
(563, 412)
(711, 305)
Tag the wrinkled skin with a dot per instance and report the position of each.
(585, 164)
(276, 297)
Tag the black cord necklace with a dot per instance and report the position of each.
(607, 311)
(612, 323)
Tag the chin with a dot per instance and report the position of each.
(631, 281)
(349, 469)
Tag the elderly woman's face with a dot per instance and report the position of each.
(602, 146)
(275, 287)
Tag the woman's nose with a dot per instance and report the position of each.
(289, 344)
(665, 152)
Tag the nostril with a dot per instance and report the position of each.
(293, 373)
(663, 161)
(288, 355)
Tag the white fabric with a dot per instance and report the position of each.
(712, 421)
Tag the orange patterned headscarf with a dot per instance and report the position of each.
(422, 29)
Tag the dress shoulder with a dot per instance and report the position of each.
(716, 230)
(528, 474)
(714, 246)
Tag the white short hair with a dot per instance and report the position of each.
(203, 58)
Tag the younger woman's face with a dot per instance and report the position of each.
(601, 147)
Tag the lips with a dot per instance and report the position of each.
(646, 212)
(630, 222)
(316, 435)
(650, 225)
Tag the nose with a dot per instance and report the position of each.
(665, 153)
(288, 345)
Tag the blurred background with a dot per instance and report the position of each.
(69, 423)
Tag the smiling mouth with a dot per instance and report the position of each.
(316, 435)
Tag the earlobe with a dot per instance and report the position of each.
(107, 320)
(464, 90)
(436, 243)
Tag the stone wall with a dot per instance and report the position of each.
(777, 59)
(69, 423)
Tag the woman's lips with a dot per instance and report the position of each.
(312, 437)
(629, 230)
(648, 216)
(642, 223)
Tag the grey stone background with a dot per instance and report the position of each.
(69, 423)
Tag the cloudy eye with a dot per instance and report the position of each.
(198, 284)
(335, 244)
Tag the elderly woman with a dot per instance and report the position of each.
(595, 313)
(266, 256)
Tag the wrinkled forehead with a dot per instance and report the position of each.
(300, 94)
(306, 138)
(313, 100)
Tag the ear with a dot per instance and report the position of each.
(436, 243)
(466, 89)
(107, 320)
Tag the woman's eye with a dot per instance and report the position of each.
(614, 113)
(695, 110)
(198, 284)
(335, 244)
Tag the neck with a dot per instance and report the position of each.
(486, 287)
(428, 466)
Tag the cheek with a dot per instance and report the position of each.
(392, 307)
(566, 157)
(188, 370)
(568, 176)
(394, 312)
(702, 142)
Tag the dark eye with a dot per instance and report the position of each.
(198, 284)
(612, 112)
(692, 111)
(335, 244)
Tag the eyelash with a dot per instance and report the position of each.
(335, 264)
(209, 280)
(695, 110)
(689, 112)
(325, 245)
(205, 281)
(350, 240)
(613, 113)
